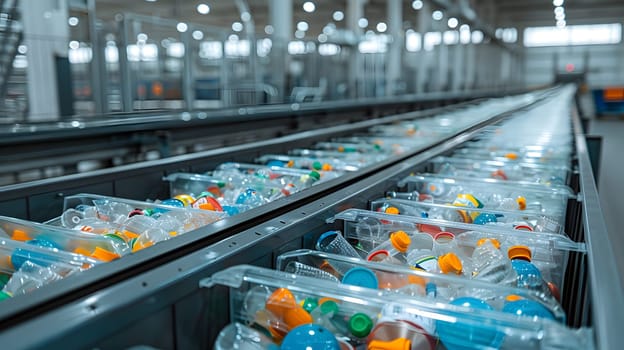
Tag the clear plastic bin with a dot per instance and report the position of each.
(324, 164)
(508, 219)
(138, 224)
(25, 267)
(368, 230)
(409, 281)
(297, 311)
(491, 194)
(100, 247)
(514, 171)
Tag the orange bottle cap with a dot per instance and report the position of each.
(138, 246)
(511, 155)
(82, 251)
(296, 316)
(130, 235)
(280, 301)
(513, 297)
(396, 344)
(400, 241)
(326, 167)
(392, 210)
(494, 242)
(519, 252)
(206, 206)
(20, 235)
(104, 255)
(521, 202)
(413, 279)
(450, 263)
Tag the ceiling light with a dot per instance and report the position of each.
(73, 21)
(453, 22)
(302, 26)
(381, 27)
(182, 27)
(338, 16)
(203, 9)
(437, 15)
(557, 2)
(309, 6)
(417, 5)
(198, 35)
(237, 26)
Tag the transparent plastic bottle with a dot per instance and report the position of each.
(301, 269)
(529, 276)
(241, 337)
(489, 264)
(397, 246)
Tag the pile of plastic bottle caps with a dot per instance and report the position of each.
(469, 256)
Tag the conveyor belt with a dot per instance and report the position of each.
(121, 303)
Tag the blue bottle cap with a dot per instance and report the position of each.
(310, 337)
(466, 333)
(362, 277)
(484, 218)
(230, 210)
(275, 163)
(528, 308)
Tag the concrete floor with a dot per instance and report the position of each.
(611, 178)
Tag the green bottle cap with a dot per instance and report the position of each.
(310, 304)
(4, 295)
(317, 165)
(360, 325)
(4, 278)
(315, 175)
(329, 306)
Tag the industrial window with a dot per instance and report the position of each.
(573, 35)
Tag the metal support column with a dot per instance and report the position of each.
(46, 34)
(188, 84)
(281, 19)
(423, 26)
(394, 62)
(355, 11)
(98, 62)
(127, 93)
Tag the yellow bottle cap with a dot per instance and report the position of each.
(280, 301)
(187, 199)
(494, 242)
(104, 255)
(519, 252)
(392, 210)
(400, 241)
(396, 344)
(521, 202)
(450, 263)
(465, 216)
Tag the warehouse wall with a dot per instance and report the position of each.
(604, 63)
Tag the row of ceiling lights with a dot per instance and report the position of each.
(337, 16)
(559, 13)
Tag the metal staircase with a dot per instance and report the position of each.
(11, 35)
